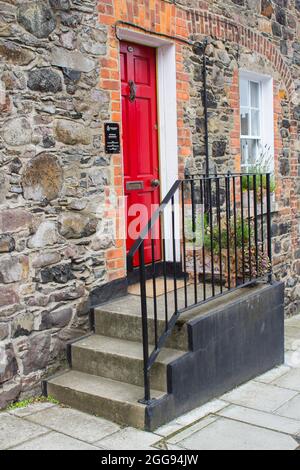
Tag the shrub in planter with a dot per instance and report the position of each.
(219, 247)
(248, 183)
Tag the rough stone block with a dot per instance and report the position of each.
(46, 259)
(13, 54)
(59, 274)
(60, 4)
(17, 132)
(4, 330)
(14, 269)
(42, 178)
(8, 297)
(56, 319)
(7, 244)
(45, 235)
(22, 325)
(8, 363)
(15, 220)
(9, 393)
(74, 225)
(37, 18)
(72, 133)
(36, 356)
(72, 60)
(44, 80)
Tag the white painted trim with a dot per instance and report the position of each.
(168, 141)
(145, 39)
(267, 108)
(167, 120)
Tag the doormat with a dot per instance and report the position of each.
(160, 287)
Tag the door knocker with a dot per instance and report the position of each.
(132, 92)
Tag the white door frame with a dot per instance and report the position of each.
(167, 122)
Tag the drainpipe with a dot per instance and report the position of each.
(205, 44)
(200, 49)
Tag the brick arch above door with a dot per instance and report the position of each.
(218, 27)
(181, 22)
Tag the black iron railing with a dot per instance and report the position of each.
(215, 234)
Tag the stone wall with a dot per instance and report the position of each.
(53, 174)
(265, 40)
(59, 82)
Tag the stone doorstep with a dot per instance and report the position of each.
(107, 371)
(110, 399)
(120, 360)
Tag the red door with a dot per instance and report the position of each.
(140, 142)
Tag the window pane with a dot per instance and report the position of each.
(245, 122)
(249, 152)
(255, 123)
(244, 92)
(254, 91)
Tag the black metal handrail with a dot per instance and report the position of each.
(220, 240)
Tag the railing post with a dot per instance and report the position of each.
(269, 224)
(228, 227)
(255, 223)
(144, 324)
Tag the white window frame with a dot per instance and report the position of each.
(266, 103)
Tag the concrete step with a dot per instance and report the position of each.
(125, 323)
(120, 359)
(106, 398)
(122, 318)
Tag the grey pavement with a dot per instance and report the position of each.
(263, 414)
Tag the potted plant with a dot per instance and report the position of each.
(220, 246)
(258, 172)
(229, 243)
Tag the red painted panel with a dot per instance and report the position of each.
(140, 141)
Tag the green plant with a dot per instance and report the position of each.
(32, 401)
(259, 169)
(248, 182)
(196, 236)
(239, 233)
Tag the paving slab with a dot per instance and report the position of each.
(55, 441)
(129, 439)
(291, 409)
(292, 332)
(75, 423)
(163, 445)
(291, 380)
(293, 321)
(31, 409)
(292, 344)
(273, 374)
(168, 429)
(199, 413)
(191, 417)
(187, 432)
(263, 397)
(14, 431)
(292, 358)
(262, 419)
(225, 434)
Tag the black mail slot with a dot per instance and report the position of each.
(134, 185)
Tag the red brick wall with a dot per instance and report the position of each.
(164, 18)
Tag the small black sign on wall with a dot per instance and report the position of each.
(112, 138)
